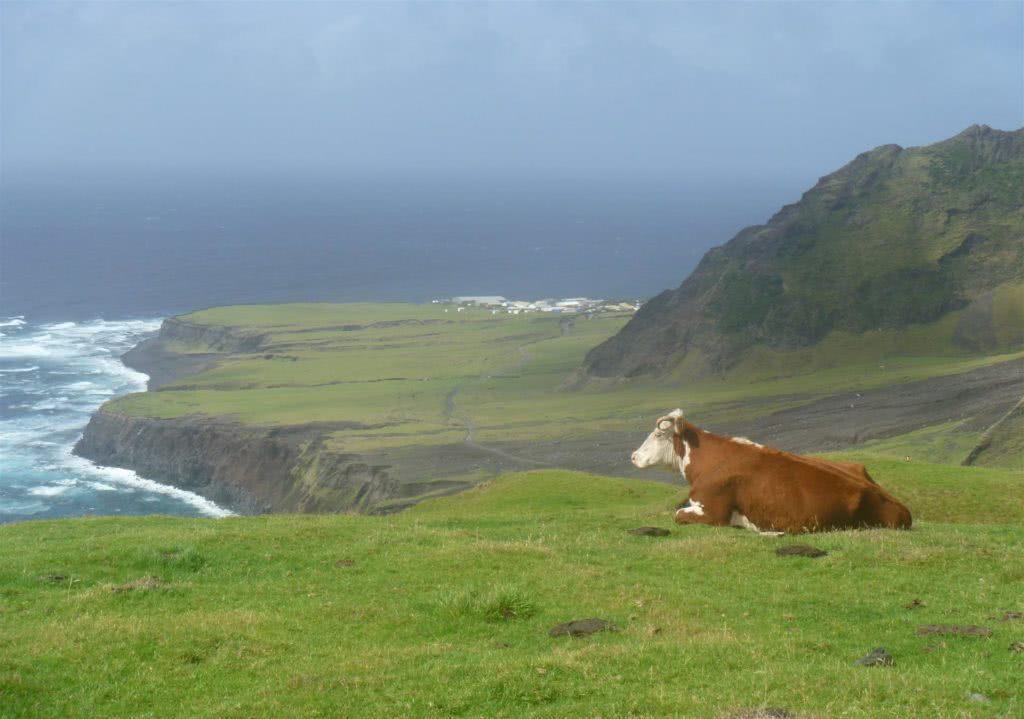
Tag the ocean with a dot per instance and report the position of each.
(88, 267)
(52, 377)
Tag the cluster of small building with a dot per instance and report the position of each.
(575, 305)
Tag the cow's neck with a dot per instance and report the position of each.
(692, 452)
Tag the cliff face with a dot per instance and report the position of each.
(250, 469)
(896, 237)
(157, 356)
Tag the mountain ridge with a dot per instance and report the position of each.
(896, 237)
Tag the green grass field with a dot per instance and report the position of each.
(395, 366)
(444, 610)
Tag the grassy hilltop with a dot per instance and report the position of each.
(444, 610)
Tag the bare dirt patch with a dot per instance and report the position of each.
(968, 630)
(764, 713)
(800, 550)
(582, 628)
(650, 532)
(142, 584)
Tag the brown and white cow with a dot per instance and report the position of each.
(739, 483)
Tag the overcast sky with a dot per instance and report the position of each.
(563, 89)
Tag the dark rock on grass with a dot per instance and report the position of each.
(143, 584)
(764, 713)
(916, 604)
(650, 532)
(582, 627)
(345, 563)
(800, 550)
(877, 658)
(1017, 647)
(55, 578)
(969, 630)
(1010, 616)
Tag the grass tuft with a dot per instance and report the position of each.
(497, 604)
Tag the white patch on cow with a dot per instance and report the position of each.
(741, 521)
(685, 461)
(658, 450)
(744, 440)
(692, 507)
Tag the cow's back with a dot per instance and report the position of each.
(787, 492)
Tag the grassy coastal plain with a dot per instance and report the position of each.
(426, 375)
(444, 609)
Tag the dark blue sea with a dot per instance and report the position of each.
(89, 266)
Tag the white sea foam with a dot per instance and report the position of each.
(13, 321)
(52, 403)
(102, 487)
(52, 490)
(18, 349)
(36, 445)
(128, 478)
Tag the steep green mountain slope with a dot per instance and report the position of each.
(927, 237)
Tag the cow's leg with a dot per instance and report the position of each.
(706, 508)
(717, 509)
(741, 521)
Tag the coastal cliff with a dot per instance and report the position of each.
(158, 356)
(249, 469)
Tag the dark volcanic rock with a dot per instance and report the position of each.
(878, 657)
(582, 627)
(650, 532)
(800, 550)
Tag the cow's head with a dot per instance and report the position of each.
(658, 450)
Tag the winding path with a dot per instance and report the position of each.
(453, 415)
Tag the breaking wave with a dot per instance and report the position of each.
(45, 403)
